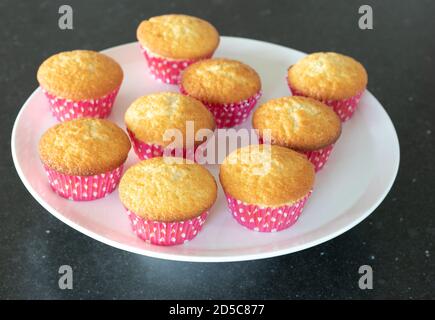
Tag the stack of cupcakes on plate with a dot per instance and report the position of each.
(168, 198)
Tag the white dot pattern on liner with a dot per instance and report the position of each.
(231, 114)
(319, 157)
(166, 233)
(166, 70)
(343, 108)
(146, 151)
(265, 219)
(83, 188)
(65, 109)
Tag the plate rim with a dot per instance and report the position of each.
(211, 258)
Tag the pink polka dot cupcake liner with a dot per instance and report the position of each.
(147, 151)
(231, 114)
(66, 109)
(166, 233)
(319, 157)
(344, 108)
(167, 70)
(266, 219)
(83, 188)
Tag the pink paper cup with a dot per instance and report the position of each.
(66, 109)
(317, 157)
(83, 188)
(265, 219)
(147, 151)
(231, 114)
(344, 108)
(166, 233)
(167, 70)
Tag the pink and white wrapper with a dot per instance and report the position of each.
(167, 70)
(343, 108)
(83, 188)
(265, 219)
(66, 109)
(146, 151)
(317, 157)
(166, 233)
(231, 114)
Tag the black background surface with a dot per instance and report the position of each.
(397, 240)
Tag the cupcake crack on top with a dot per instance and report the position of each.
(79, 75)
(178, 36)
(300, 123)
(328, 76)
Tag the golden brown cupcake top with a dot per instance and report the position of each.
(220, 81)
(84, 147)
(149, 117)
(299, 123)
(178, 36)
(80, 75)
(328, 75)
(266, 175)
(167, 189)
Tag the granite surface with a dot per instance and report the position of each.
(397, 240)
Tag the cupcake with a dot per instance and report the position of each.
(299, 123)
(266, 186)
(151, 116)
(335, 79)
(229, 88)
(167, 199)
(80, 84)
(172, 42)
(83, 158)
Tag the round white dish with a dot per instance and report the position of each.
(357, 177)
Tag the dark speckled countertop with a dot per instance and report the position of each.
(397, 240)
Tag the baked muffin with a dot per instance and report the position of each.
(335, 79)
(80, 83)
(167, 199)
(83, 158)
(229, 88)
(266, 186)
(149, 117)
(302, 124)
(171, 42)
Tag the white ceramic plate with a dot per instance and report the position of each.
(358, 176)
